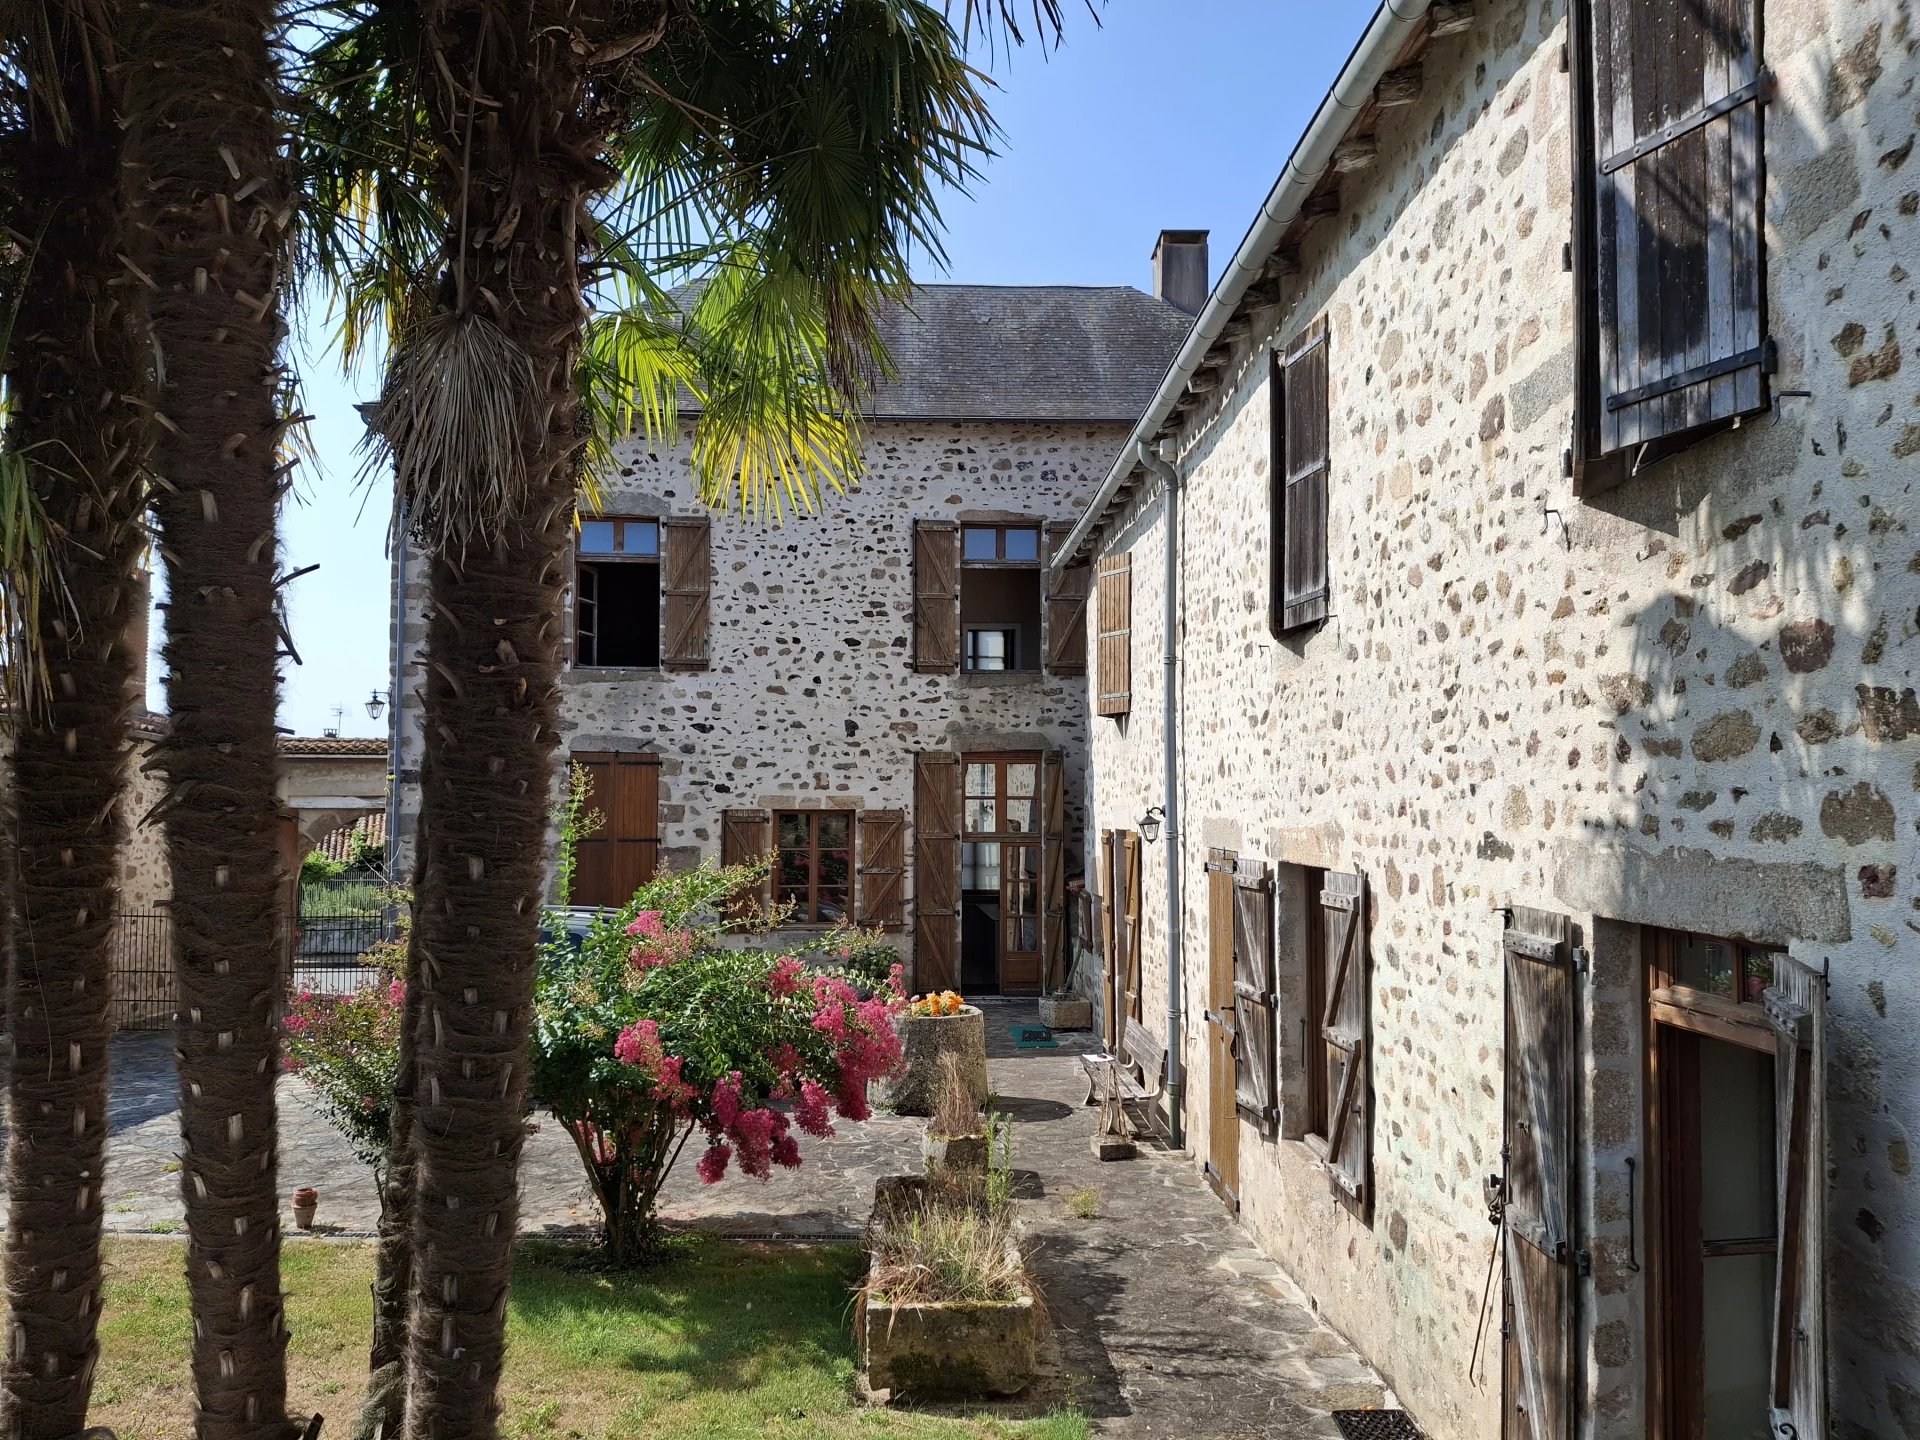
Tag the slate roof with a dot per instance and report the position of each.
(1026, 352)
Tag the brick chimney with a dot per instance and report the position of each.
(1180, 269)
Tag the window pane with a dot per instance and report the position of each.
(793, 831)
(980, 866)
(1022, 545)
(1021, 779)
(834, 830)
(980, 779)
(990, 649)
(642, 538)
(596, 537)
(1759, 975)
(980, 814)
(980, 543)
(793, 870)
(833, 867)
(833, 906)
(1703, 964)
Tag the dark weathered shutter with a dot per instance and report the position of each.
(1676, 169)
(1053, 870)
(746, 835)
(593, 851)
(1299, 495)
(1253, 993)
(1797, 1007)
(1130, 879)
(1538, 1241)
(936, 871)
(1113, 594)
(883, 869)
(936, 596)
(1113, 993)
(1067, 589)
(1347, 1147)
(689, 587)
(622, 852)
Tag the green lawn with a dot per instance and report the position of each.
(724, 1341)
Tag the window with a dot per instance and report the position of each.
(617, 593)
(813, 864)
(1669, 254)
(1113, 599)
(1000, 597)
(1297, 497)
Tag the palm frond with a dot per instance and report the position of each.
(30, 551)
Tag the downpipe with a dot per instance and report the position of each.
(1156, 464)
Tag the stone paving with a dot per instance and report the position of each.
(1166, 1321)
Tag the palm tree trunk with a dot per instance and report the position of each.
(522, 144)
(204, 177)
(75, 366)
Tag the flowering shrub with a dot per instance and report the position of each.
(657, 1029)
(347, 1047)
(947, 1002)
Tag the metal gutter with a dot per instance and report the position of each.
(1385, 36)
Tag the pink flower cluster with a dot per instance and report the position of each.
(655, 944)
(784, 979)
(640, 1046)
(762, 1137)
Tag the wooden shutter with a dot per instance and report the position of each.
(883, 868)
(1298, 494)
(623, 852)
(1347, 1147)
(1114, 596)
(1053, 870)
(1066, 608)
(1130, 879)
(936, 597)
(1113, 990)
(1797, 1008)
(746, 835)
(1537, 1240)
(936, 871)
(1254, 998)
(1677, 188)
(689, 586)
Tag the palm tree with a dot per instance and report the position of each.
(207, 209)
(70, 541)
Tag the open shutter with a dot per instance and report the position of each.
(936, 597)
(1130, 874)
(1537, 1239)
(936, 871)
(1114, 596)
(1299, 497)
(1797, 1008)
(1254, 1000)
(1113, 991)
(883, 869)
(1066, 608)
(1676, 171)
(1347, 1147)
(746, 835)
(1053, 869)
(593, 852)
(634, 822)
(689, 586)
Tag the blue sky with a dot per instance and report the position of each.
(1172, 113)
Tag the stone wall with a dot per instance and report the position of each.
(811, 699)
(1687, 702)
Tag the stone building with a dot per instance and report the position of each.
(886, 694)
(1545, 755)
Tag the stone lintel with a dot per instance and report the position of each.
(1769, 902)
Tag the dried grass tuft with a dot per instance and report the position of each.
(927, 1252)
(955, 1111)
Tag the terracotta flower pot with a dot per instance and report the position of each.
(306, 1200)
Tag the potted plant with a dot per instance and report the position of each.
(306, 1201)
(932, 1028)
(956, 1136)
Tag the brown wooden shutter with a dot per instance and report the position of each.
(1130, 876)
(1537, 1240)
(1066, 608)
(1299, 489)
(936, 871)
(1677, 186)
(936, 596)
(623, 851)
(883, 869)
(1053, 870)
(1114, 596)
(1113, 991)
(1797, 1008)
(1253, 990)
(1347, 1147)
(689, 587)
(746, 835)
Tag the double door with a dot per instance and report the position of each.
(1001, 863)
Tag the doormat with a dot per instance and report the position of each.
(1032, 1037)
(1377, 1425)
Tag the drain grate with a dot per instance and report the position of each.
(1377, 1425)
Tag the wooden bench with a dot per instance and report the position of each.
(1138, 1074)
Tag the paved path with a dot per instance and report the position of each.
(1166, 1321)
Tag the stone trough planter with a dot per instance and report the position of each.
(971, 1348)
(961, 1154)
(925, 1042)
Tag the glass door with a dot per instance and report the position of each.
(1000, 867)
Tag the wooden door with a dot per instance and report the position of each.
(1537, 1239)
(1223, 1116)
(622, 853)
